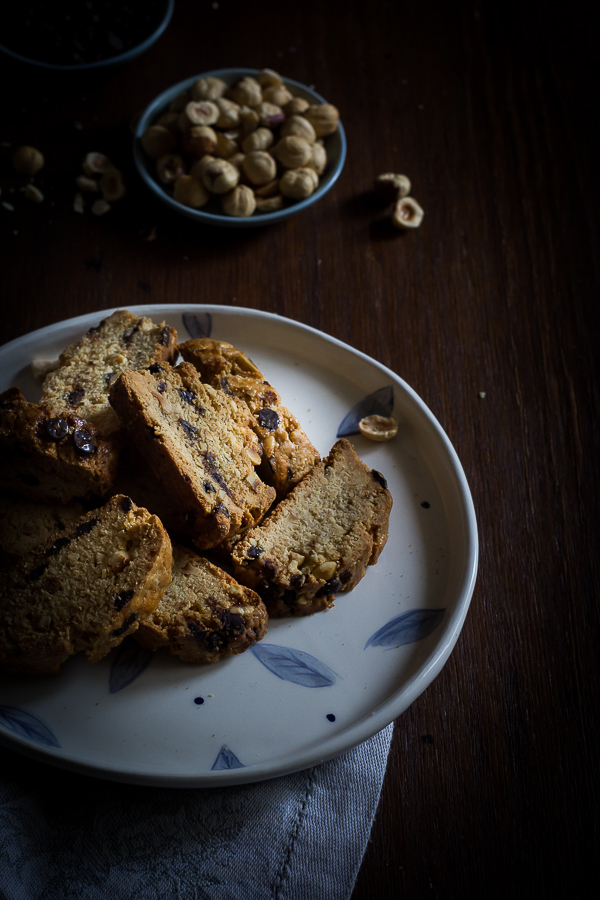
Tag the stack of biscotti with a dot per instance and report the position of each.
(204, 613)
(49, 457)
(87, 368)
(199, 443)
(84, 590)
(319, 540)
(288, 453)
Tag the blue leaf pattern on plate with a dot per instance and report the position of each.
(129, 661)
(197, 325)
(406, 629)
(379, 403)
(294, 665)
(25, 724)
(227, 760)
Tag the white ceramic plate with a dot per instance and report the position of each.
(314, 687)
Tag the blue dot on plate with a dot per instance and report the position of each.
(330, 716)
(198, 701)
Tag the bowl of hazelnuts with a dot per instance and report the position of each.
(239, 147)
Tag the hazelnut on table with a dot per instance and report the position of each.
(391, 187)
(27, 160)
(96, 163)
(407, 213)
(33, 193)
(112, 185)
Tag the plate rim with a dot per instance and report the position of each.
(378, 719)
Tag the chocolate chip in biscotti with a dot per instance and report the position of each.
(202, 437)
(91, 365)
(288, 453)
(52, 458)
(204, 614)
(335, 521)
(71, 597)
(379, 478)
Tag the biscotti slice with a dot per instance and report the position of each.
(288, 453)
(26, 524)
(52, 458)
(199, 444)
(85, 590)
(88, 367)
(204, 614)
(318, 540)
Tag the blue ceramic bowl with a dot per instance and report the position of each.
(211, 214)
(132, 53)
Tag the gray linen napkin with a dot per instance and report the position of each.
(298, 837)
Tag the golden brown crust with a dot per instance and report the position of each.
(319, 540)
(204, 614)
(85, 590)
(198, 442)
(288, 453)
(52, 458)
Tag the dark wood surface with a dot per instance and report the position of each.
(492, 785)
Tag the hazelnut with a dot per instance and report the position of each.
(112, 185)
(229, 113)
(292, 152)
(298, 183)
(318, 160)
(270, 115)
(378, 428)
(300, 127)
(323, 117)
(170, 167)
(208, 88)
(237, 159)
(239, 202)
(199, 112)
(261, 139)
(219, 176)
(33, 193)
(84, 183)
(199, 140)
(96, 164)
(190, 192)
(391, 187)
(199, 166)
(269, 189)
(249, 120)
(259, 166)
(101, 207)
(157, 140)
(247, 92)
(226, 146)
(296, 106)
(169, 120)
(78, 206)
(407, 213)
(269, 78)
(179, 103)
(277, 94)
(269, 204)
(27, 160)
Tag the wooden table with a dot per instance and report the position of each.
(486, 311)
